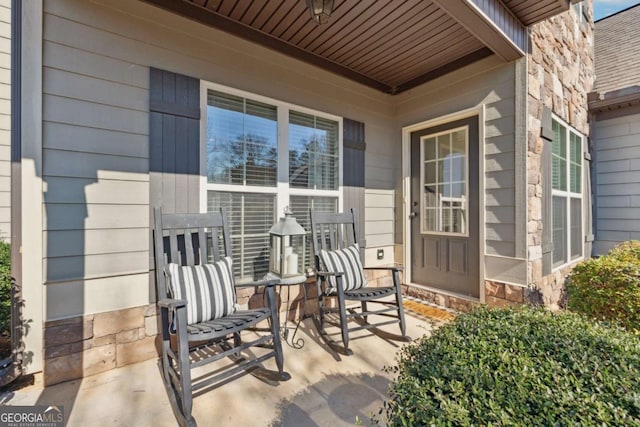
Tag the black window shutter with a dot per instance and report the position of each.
(353, 148)
(174, 141)
(547, 198)
(174, 145)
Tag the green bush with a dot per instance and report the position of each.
(517, 367)
(5, 287)
(608, 287)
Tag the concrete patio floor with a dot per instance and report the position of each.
(326, 389)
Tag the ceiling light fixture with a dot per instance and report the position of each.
(320, 10)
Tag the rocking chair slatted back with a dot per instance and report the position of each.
(189, 239)
(332, 231)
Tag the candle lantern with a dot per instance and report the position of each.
(287, 255)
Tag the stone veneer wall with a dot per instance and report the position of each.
(560, 75)
(87, 345)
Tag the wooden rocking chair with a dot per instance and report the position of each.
(193, 265)
(340, 274)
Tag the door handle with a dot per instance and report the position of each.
(413, 214)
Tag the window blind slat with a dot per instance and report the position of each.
(251, 215)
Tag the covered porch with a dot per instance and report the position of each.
(326, 389)
(97, 162)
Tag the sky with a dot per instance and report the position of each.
(603, 8)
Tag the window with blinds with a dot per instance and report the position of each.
(243, 139)
(250, 218)
(566, 169)
(313, 152)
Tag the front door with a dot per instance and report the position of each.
(444, 207)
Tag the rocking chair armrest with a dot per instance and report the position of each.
(391, 268)
(172, 303)
(265, 282)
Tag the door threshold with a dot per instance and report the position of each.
(442, 298)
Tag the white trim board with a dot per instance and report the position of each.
(32, 209)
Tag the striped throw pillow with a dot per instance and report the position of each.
(208, 289)
(347, 261)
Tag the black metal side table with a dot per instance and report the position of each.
(284, 330)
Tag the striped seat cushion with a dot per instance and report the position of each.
(208, 289)
(345, 261)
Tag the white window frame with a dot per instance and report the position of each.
(282, 190)
(568, 195)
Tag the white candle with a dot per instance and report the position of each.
(292, 264)
(288, 250)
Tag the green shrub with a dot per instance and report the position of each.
(5, 287)
(608, 287)
(517, 367)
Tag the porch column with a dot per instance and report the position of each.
(27, 188)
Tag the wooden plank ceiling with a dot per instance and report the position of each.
(529, 12)
(391, 45)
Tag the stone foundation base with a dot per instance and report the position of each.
(550, 290)
(81, 346)
(437, 298)
(496, 295)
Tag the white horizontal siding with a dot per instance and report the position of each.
(94, 266)
(76, 216)
(96, 295)
(68, 137)
(77, 164)
(380, 220)
(77, 112)
(617, 179)
(95, 242)
(91, 191)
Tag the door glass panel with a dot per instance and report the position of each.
(444, 179)
(444, 146)
(430, 173)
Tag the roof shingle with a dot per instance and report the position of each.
(617, 51)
